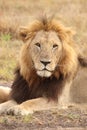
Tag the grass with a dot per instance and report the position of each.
(8, 58)
(6, 37)
(27, 118)
(24, 119)
(14, 14)
(4, 120)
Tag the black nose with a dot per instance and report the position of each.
(45, 62)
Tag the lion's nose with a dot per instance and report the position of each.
(45, 62)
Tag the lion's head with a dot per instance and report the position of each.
(45, 48)
(48, 50)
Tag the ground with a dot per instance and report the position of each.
(71, 119)
(14, 14)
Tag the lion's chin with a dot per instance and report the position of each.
(44, 73)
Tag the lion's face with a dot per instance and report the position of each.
(49, 50)
(46, 50)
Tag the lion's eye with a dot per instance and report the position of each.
(38, 44)
(55, 46)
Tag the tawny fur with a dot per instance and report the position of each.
(4, 94)
(36, 86)
(28, 85)
(69, 61)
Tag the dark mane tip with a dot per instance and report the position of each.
(22, 91)
(44, 18)
(83, 61)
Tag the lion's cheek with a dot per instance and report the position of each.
(38, 66)
(51, 67)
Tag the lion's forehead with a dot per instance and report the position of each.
(47, 36)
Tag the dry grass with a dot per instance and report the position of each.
(19, 12)
(8, 58)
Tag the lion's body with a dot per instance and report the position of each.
(48, 63)
(4, 93)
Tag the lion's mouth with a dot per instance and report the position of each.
(44, 72)
(47, 70)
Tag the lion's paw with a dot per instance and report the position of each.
(18, 110)
(2, 109)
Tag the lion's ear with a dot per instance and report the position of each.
(23, 32)
(70, 32)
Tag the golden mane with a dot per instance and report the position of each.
(64, 33)
(27, 81)
(68, 65)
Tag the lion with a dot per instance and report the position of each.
(47, 66)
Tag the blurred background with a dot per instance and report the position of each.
(16, 13)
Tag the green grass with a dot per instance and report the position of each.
(27, 118)
(6, 37)
(4, 120)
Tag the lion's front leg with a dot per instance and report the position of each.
(5, 106)
(64, 99)
(30, 106)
